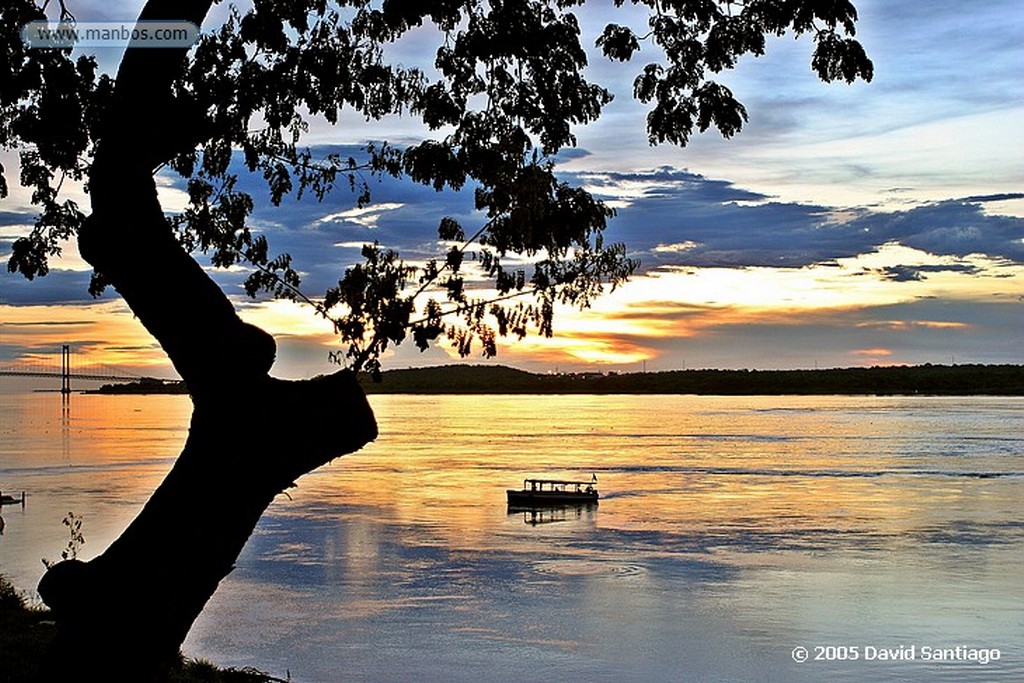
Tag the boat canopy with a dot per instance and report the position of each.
(554, 483)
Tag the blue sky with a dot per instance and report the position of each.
(846, 225)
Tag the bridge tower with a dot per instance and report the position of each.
(65, 369)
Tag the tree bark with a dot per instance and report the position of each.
(123, 615)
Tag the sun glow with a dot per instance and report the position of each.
(283, 318)
(664, 315)
(676, 304)
(570, 346)
(100, 334)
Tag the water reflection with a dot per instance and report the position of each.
(555, 513)
(97, 456)
(65, 426)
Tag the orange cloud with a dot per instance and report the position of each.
(873, 354)
(907, 325)
(579, 347)
(104, 333)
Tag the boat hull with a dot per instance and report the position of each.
(538, 499)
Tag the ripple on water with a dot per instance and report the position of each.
(586, 568)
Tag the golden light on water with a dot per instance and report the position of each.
(705, 465)
(451, 488)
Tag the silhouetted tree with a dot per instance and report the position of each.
(506, 91)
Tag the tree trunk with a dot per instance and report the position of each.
(124, 615)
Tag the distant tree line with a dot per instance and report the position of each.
(947, 380)
(1006, 380)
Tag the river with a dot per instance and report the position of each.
(737, 538)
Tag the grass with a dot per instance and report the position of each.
(26, 632)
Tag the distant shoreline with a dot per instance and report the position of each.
(142, 386)
(939, 380)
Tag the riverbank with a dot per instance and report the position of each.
(26, 632)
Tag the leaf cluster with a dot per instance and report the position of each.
(51, 107)
(507, 89)
(698, 38)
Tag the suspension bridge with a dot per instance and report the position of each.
(69, 368)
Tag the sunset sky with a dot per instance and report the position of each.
(878, 223)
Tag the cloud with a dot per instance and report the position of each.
(728, 337)
(667, 218)
(102, 332)
(54, 323)
(904, 273)
(1002, 197)
(366, 216)
(682, 218)
(59, 287)
(872, 353)
(910, 325)
(676, 247)
(949, 228)
(572, 154)
(14, 218)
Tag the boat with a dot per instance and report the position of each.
(11, 500)
(538, 493)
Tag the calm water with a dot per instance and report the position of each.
(730, 532)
